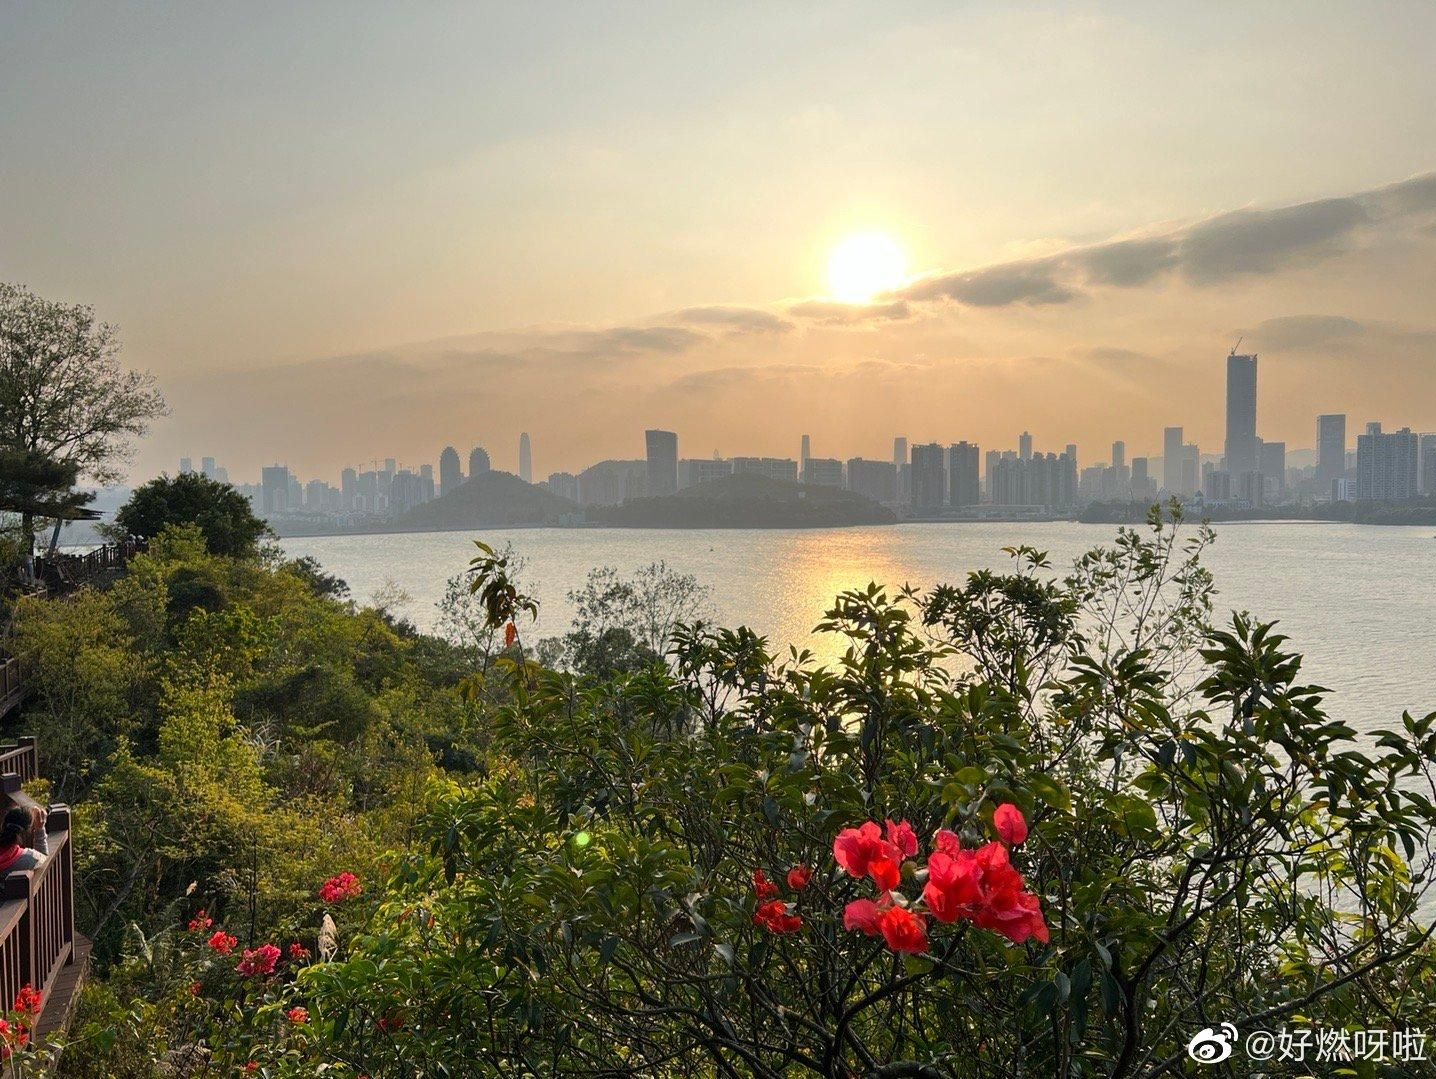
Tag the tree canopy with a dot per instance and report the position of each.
(221, 513)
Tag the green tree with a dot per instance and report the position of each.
(222, 514)
(63, 393)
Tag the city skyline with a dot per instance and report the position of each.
(638, 220)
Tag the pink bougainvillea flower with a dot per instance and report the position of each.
(1010, 824)
(798, 877)
(775, 918)
(864, 915)
(886, 873)
(340, 887)
(903, 930)
(222, 942)
(298, 952)
(952, 884)
(901, 836)
(200, 922)
(259, 960)
(855, 848)
(763, 888)
(946, 842)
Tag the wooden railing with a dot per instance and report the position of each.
(11, 688)
(62, 572)
(21, 760)
(37, 906)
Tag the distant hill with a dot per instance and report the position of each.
(489, 500)
(746, 501)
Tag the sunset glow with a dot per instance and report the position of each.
(864, 265)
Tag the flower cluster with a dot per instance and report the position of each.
(297, 1016)
(339, 888)
(200, 922)
(774, 914)
(15, 1031)
(259, 960)
(222, 943)
(981, 886)
(298, 953)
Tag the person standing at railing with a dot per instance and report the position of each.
(23, 842)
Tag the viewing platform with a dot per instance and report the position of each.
(38, 943)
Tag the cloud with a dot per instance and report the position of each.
(1295, 332)
(1261, 241)
(1226, 247)
(997, 286)
(738, 319)
(830, 313)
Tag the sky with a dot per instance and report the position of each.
(337, 232)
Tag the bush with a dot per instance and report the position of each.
(222, 514)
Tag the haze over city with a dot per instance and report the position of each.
(349, 232)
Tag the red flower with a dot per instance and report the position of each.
(200, 922)
(946, 841)
(865, 915)
(340, 887)
(901, 836)
(27, 1000)
(297, 1015)
(252, 1066)
(863, 852)
(222, 942)
(798, 877)
(390, 1023)
(260, 960)
(774, 917)
(511, 634)
(1010, 825)
(763, 888)
(298, 952)
(194, 988)
(903, 930)
(952, 884)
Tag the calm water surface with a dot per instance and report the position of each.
(1359, 602)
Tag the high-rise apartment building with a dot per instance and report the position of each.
(274, 486)
(1386, 465)
(662, 449)
(806, 452)
(962, 464)
(1330, 450)
(526, 459)
(876, 479)
(449, 475)
(902, 465)
(1024, 446)
(823, 471)
(1172, 460)
(1271, 463)
(1241, 445)
(1428, 465)
(929, 477)
(207, 467)
(186, 466)
(775, 468)
(695, 470)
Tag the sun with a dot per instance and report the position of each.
(863, 265)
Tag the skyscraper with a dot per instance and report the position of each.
(1330, 450)
(449, 475)
(1024, 446)
(274, 484)
(929, 477)
(478, 461)
(186, 466)
(1271, 463)
(526, 459)
(207, 467)
(876, 479)
(1241, 447)
(662, 462)
(1386, 467)
(1119, 455)
(1428, 465)
(807, 451)
(1172, 460)
(900, 463)
(962, 462)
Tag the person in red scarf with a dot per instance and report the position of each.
(20, 828)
